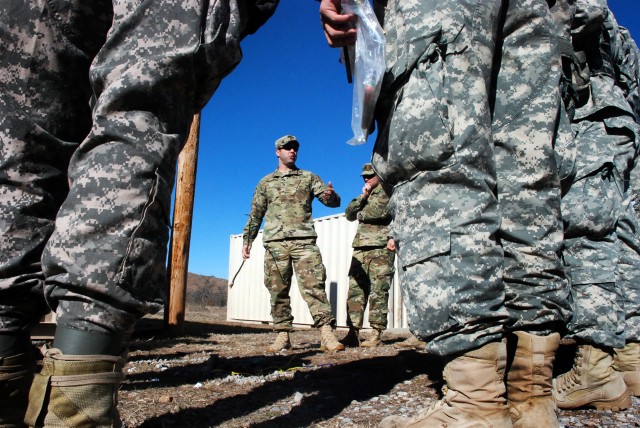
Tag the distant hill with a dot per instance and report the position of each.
(206, 290)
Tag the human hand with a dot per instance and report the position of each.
(329, 194)
(338, 29)
(366, 190)
(246, 251)
(391, 245)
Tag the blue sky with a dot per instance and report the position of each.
(289, 82)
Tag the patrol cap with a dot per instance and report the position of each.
(367, 170)
(283, 141)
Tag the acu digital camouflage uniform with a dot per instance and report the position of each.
(457, 138)
(597, 207)
(289, 238)
(628, 228)
(371, 268)
(467, 119)
(96, 99)
(94, 184)
(600, 246)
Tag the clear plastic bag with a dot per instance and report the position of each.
(367, 62)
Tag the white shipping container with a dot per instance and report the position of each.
(248, 299)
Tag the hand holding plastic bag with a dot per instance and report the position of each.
(368, 67)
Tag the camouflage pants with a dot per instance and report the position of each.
(592, 260)
(628, 271)
(592, 210)
(524, 133)
(280, 260)
(85, 191)
(370, 277)
(436, 145)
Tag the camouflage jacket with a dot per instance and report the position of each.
(629, 70)
(285, 200)
(373, 217)
(602, 54)
(607, 64)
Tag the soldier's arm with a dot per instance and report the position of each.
(589, 16)
(259, 205)
(325, 193)
(376, 209)
(354, 207)
(628, 64)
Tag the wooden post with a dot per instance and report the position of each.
(181, 232)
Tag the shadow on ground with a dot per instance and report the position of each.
(327, 391)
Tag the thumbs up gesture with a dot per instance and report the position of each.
(329, 194)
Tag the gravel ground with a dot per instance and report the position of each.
(217, 375)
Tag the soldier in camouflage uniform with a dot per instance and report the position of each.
(467, 119)
(96, 100)
(284, 199)
(371, 268)
(627, 359)
(599, 219)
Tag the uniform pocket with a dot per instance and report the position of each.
(417, 248)
(419, 240)
(143, 267)
(592, 206)
(416, 133)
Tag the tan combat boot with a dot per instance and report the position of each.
(16, 374)
(410, 342)
(373, 340)
(281, 343)
(591, 382)
(352, 338)
(75, 391)
(529, 381)
(626, 361)
(474, 394)
(328, 341)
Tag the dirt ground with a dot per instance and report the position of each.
(217, 375)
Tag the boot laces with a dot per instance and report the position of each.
(574, 376)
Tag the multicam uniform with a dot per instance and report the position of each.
(371, 264)
(452, 159)
(85, 191)
(289, 238)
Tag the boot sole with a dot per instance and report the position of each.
(331, 351)
(622, 402)
(274, 351)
